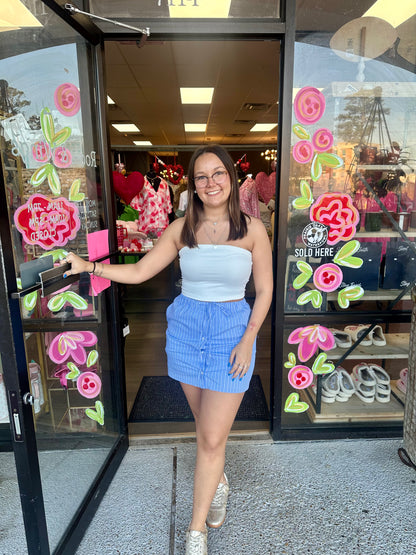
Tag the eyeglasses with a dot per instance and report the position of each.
(218, 178)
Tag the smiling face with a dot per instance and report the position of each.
(217, 191)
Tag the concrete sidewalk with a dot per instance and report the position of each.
(327, 497)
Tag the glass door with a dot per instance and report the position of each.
(61, 363)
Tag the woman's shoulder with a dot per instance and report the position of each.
(256, 230)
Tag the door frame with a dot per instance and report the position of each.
(283, 29)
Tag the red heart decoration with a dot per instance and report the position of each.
(266, 186)
(128, 187)
(174, 173)
(245, 166)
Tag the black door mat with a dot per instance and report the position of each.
(161, 399)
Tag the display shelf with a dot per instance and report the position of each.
(397, 347)
(379, 295)
(382, 167)
(383, 234)
(354, 410)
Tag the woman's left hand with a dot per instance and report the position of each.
(240, 360)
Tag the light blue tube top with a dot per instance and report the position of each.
(215, 273)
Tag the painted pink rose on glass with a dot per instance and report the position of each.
(302, 152)
(322, 140)
(47, 222)
(309, 105)
(67, 99)
(310, 338)
(300, 377)
(89, 385)
(62, 157)
(328, 277)
(41, 151)
(336, 211)
(71, 344)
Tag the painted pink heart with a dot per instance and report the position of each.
(266, 186)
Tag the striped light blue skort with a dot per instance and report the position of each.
(199, 340)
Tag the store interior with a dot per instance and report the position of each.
(144, 88)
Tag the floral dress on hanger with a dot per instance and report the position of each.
(153, 206)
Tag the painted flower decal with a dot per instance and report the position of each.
(300, 377)
(62, 157)
(310, 338)
(336, 211)
(71, 344)
(41, 151)
(309, 105)
(302, 152)
(47, 222)
(67, 99)
(322, 140)
(328, 277)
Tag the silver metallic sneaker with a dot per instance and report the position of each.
(218, 509)
(196, 542)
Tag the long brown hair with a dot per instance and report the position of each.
(194, 210)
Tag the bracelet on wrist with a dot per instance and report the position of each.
(93, 269)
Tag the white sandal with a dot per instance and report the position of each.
(357, 331)
(379, 338)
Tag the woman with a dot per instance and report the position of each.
(211, 333)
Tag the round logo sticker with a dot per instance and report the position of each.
(315, 234)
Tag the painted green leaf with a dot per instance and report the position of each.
(301, 203)
(291, 362)
(40, 175)
(97, 414)
(350, 293)
(57, 254)
(293, 404)
(92, 358)
(312, 296)
(47, 125)
(304, 276)
(73, 373)
(75, 300)
(29, 301)
(305, 190)
(300, 132)
(330, 160)
(54, 181)
(74, 194)
(60, 137)
(316, 168)
(320, 366)
(344, 256)
(57, 302)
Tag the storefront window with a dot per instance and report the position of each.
(351, 215)
(195, 9)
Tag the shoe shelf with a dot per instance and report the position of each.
(354, 410)
(378, 295)
(397, 347)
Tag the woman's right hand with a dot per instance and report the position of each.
(78, 264)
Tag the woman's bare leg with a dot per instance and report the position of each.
(214, 414)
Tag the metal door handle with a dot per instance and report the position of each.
(28, 399)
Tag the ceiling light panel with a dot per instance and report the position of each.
(110, 100)
(142, 143)
(126, 127)
(264, 127)
(196, 95)
(195, 127)
(394, 13)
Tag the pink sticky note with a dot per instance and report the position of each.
(97, 247)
